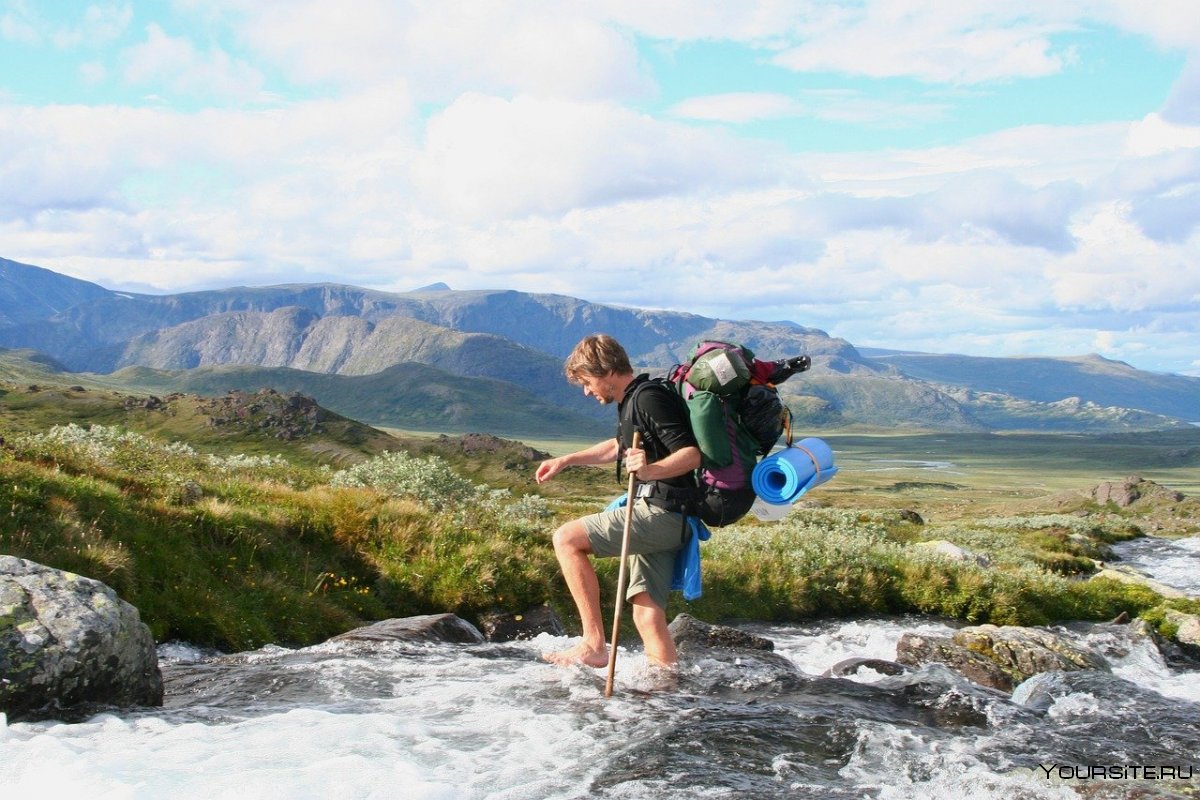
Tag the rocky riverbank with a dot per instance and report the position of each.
(70, 646)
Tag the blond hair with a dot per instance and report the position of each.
(597, 355)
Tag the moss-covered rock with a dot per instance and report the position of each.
(998, 656)
(66, 640)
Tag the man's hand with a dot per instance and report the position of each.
(604, 452)
(635, 459)
(548, 469)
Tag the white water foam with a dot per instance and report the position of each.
(816, 648)
(453, 727)
(1140, 662)
(1174, 562)
(443, 721)
(901, 765)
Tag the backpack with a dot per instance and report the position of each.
(737, 417)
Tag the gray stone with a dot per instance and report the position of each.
(68, 641)
(953, 552)
(686, 629)
(1187, 631)
(852, 666)
(915, 650)
(427, 628)
(1127, 574)
(998, 657)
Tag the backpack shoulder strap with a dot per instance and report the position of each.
(630, 418)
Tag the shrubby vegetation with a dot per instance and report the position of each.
(235, 551)
(833, 562)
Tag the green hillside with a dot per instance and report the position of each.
(410, 396)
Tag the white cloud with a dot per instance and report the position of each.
(16, 25)
(1170, 23)
(447, 48)
(1183, 105)
(959, 43)
(174, 63)
(738, 107)
(836, 105)
(101, 24)
(1154, 135)
(98, 25)
(487, 157)
(1115, 266)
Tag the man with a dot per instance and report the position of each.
(664, 464)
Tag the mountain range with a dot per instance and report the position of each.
(491, 361)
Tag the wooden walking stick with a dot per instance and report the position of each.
(622, 575)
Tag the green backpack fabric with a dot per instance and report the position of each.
(736, 415)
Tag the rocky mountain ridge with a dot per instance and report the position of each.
(319, 332)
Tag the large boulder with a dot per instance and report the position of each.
(917, 650)
(67, 642)
(998, 657)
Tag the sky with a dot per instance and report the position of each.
(987, 177)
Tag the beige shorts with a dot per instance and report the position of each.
(655, 538)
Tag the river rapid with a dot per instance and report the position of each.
(424, 720)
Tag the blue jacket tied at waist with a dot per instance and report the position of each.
(686, 577)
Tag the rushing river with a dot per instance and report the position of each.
(407, 720)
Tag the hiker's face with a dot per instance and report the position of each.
(600, 387)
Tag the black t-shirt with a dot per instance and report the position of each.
(660, 414)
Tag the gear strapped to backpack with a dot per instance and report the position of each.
(737, 416)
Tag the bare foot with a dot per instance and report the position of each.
(581, 653)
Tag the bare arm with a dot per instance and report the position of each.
(600, 453)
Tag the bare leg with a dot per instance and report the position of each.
(572, 548)
(651, 622)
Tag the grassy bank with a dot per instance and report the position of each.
(230, 550)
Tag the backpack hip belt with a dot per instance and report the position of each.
(670, 498)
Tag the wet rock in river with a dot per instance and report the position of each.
(917, 650)
(426, 628)
(998, 657)
(852, 666)
(686, 629)
(1127, 574)
(718, 658)
(1187, 631)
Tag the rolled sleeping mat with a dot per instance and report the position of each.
(784, 477)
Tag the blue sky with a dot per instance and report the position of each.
(993, 178)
